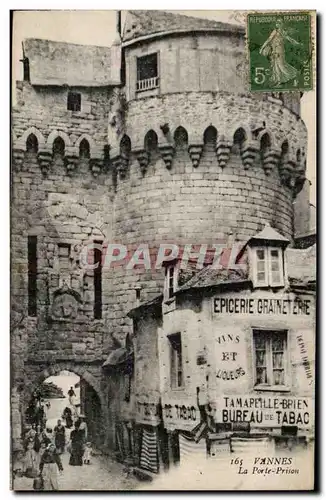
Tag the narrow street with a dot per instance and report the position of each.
(102, 474)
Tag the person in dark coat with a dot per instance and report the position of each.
(67, 416)
(76, 446)
(60, 437)
(49, 465)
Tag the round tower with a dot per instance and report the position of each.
(196, 155)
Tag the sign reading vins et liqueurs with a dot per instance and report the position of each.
(265, 411)
(261, 306)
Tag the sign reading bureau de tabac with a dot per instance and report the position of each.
(265, 411)
(264, 306)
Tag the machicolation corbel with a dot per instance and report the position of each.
(18, 157)
(44, 158)
(143, 160)
(223, 150)
(270, 160)
(167, 152)
(249, 150)
(195, 152)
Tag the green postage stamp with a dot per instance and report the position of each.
(280, 51)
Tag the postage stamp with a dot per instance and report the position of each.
(280, 51)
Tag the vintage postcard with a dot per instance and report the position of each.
(163, 250)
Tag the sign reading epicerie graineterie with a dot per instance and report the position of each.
(263, 306)
(264, 411)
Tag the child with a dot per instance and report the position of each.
(88, 453)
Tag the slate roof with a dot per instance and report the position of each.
(269, 234)
(61, 63)
(140, 23)
(213, 277)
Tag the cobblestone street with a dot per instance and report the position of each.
(102, 474)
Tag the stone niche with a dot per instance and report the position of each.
(65, 305)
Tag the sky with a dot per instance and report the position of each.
(77, 26)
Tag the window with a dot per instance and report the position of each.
(268, 267)
(176, 374)
(98, 280)
(170, 282)
(32, 275)
(147, 72)
(74, 101)
(270, 358)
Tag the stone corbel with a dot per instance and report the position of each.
(143, 159)
(95, 165)
(299, 177)
(249, 150)
(18, 155)
(120, 165)
(71, 160)
(96, 161)
(223, 150)
(195, 152)
(271, 159)
(167, 152)
(44, 158)
(287, 170)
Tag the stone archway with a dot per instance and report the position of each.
(101, 412)
(79, 370)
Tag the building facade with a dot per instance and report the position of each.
(153, 140)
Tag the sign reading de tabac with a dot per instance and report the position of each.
(262, 306)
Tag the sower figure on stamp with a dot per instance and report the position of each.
(274, 49)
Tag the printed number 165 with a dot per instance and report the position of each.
(260, 75)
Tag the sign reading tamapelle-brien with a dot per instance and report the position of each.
(265, 411)
(261, 306)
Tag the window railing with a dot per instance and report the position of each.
(149, 83)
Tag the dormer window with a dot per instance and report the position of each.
(147, 72)
(170, 284)
(268, 266)
(266, 250)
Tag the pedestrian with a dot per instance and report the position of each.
(76, 446)
(47, 436)
(83, 426)
(49, 465)
(60, 437)
(67, 416)
(37, 439)
(31, 460)
(72, 396)
(88, 453)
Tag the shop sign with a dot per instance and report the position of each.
(265, 411)
(147, 413)
(230, 355)
(239, 305)
(180, 414)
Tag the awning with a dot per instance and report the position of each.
(118, 357)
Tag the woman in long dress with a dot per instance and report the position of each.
(77, 446)
(49, 466)
(274, 49)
